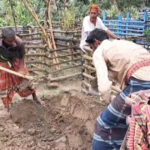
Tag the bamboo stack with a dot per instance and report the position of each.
(39, 59)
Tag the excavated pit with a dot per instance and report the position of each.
(66, 123)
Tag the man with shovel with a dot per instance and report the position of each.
(14, 75)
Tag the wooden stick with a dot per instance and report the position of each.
(64, 77)
(74, 66)
(55, 31)
(89, 67)
(66, 48)
(87, 57)
(36, 54)
(86, 84)
(89, 76)
(16, 73)
(116, 89)
(51, 36)
(50, 25)
(36, 46)
(37, 62)
(65, 62)
(67, 55)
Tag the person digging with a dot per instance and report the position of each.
(12, 64)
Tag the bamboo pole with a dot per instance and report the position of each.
(35, 46)
(74, 66)
(65, 62)
(89, 67)
(51, 31)
(37, 62)
(86, 84)
(55, 31)
(64, 77)
(66, 48)
(37, 68)
(67, 55)
(29, 6)
(16, 73)
(36, 54)
(50, 24)
(87, 57)
(116, 89)
(58, 49)
(89, 76)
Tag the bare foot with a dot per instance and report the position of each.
(39, 102)
(42, 102)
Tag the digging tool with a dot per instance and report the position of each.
(16, 73)
(116, 89)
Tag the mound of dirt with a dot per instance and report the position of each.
(66, 123)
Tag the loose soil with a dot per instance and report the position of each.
(66, 123)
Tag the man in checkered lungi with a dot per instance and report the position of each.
(12, 54)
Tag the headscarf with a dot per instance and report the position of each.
(94, 6)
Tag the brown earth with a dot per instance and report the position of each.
(66, 123)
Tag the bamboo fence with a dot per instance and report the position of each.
(70, 58)
(89, 72)
(40, 60)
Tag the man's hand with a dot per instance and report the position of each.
(128, 120)
(129, 101)
(134, 99)
(106, 96)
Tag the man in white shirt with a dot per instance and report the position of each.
(90, 23)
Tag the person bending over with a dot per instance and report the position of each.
(12, 53)
(126, 63)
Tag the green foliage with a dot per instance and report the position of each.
(133, 11)
(82, 9)
(56, 15)
(147, 34)
(69, 18)
(3, 22)
(5, 14)
(68, 11)
(124, 4)
(112, 12)
(23, 17)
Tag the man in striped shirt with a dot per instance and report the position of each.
(126, 63)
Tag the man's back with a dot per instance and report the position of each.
(126, 50)
(122, 55)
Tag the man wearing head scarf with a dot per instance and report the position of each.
(128, 65)
(90, 23)
(12, 54)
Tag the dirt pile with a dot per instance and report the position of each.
(66, 123)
